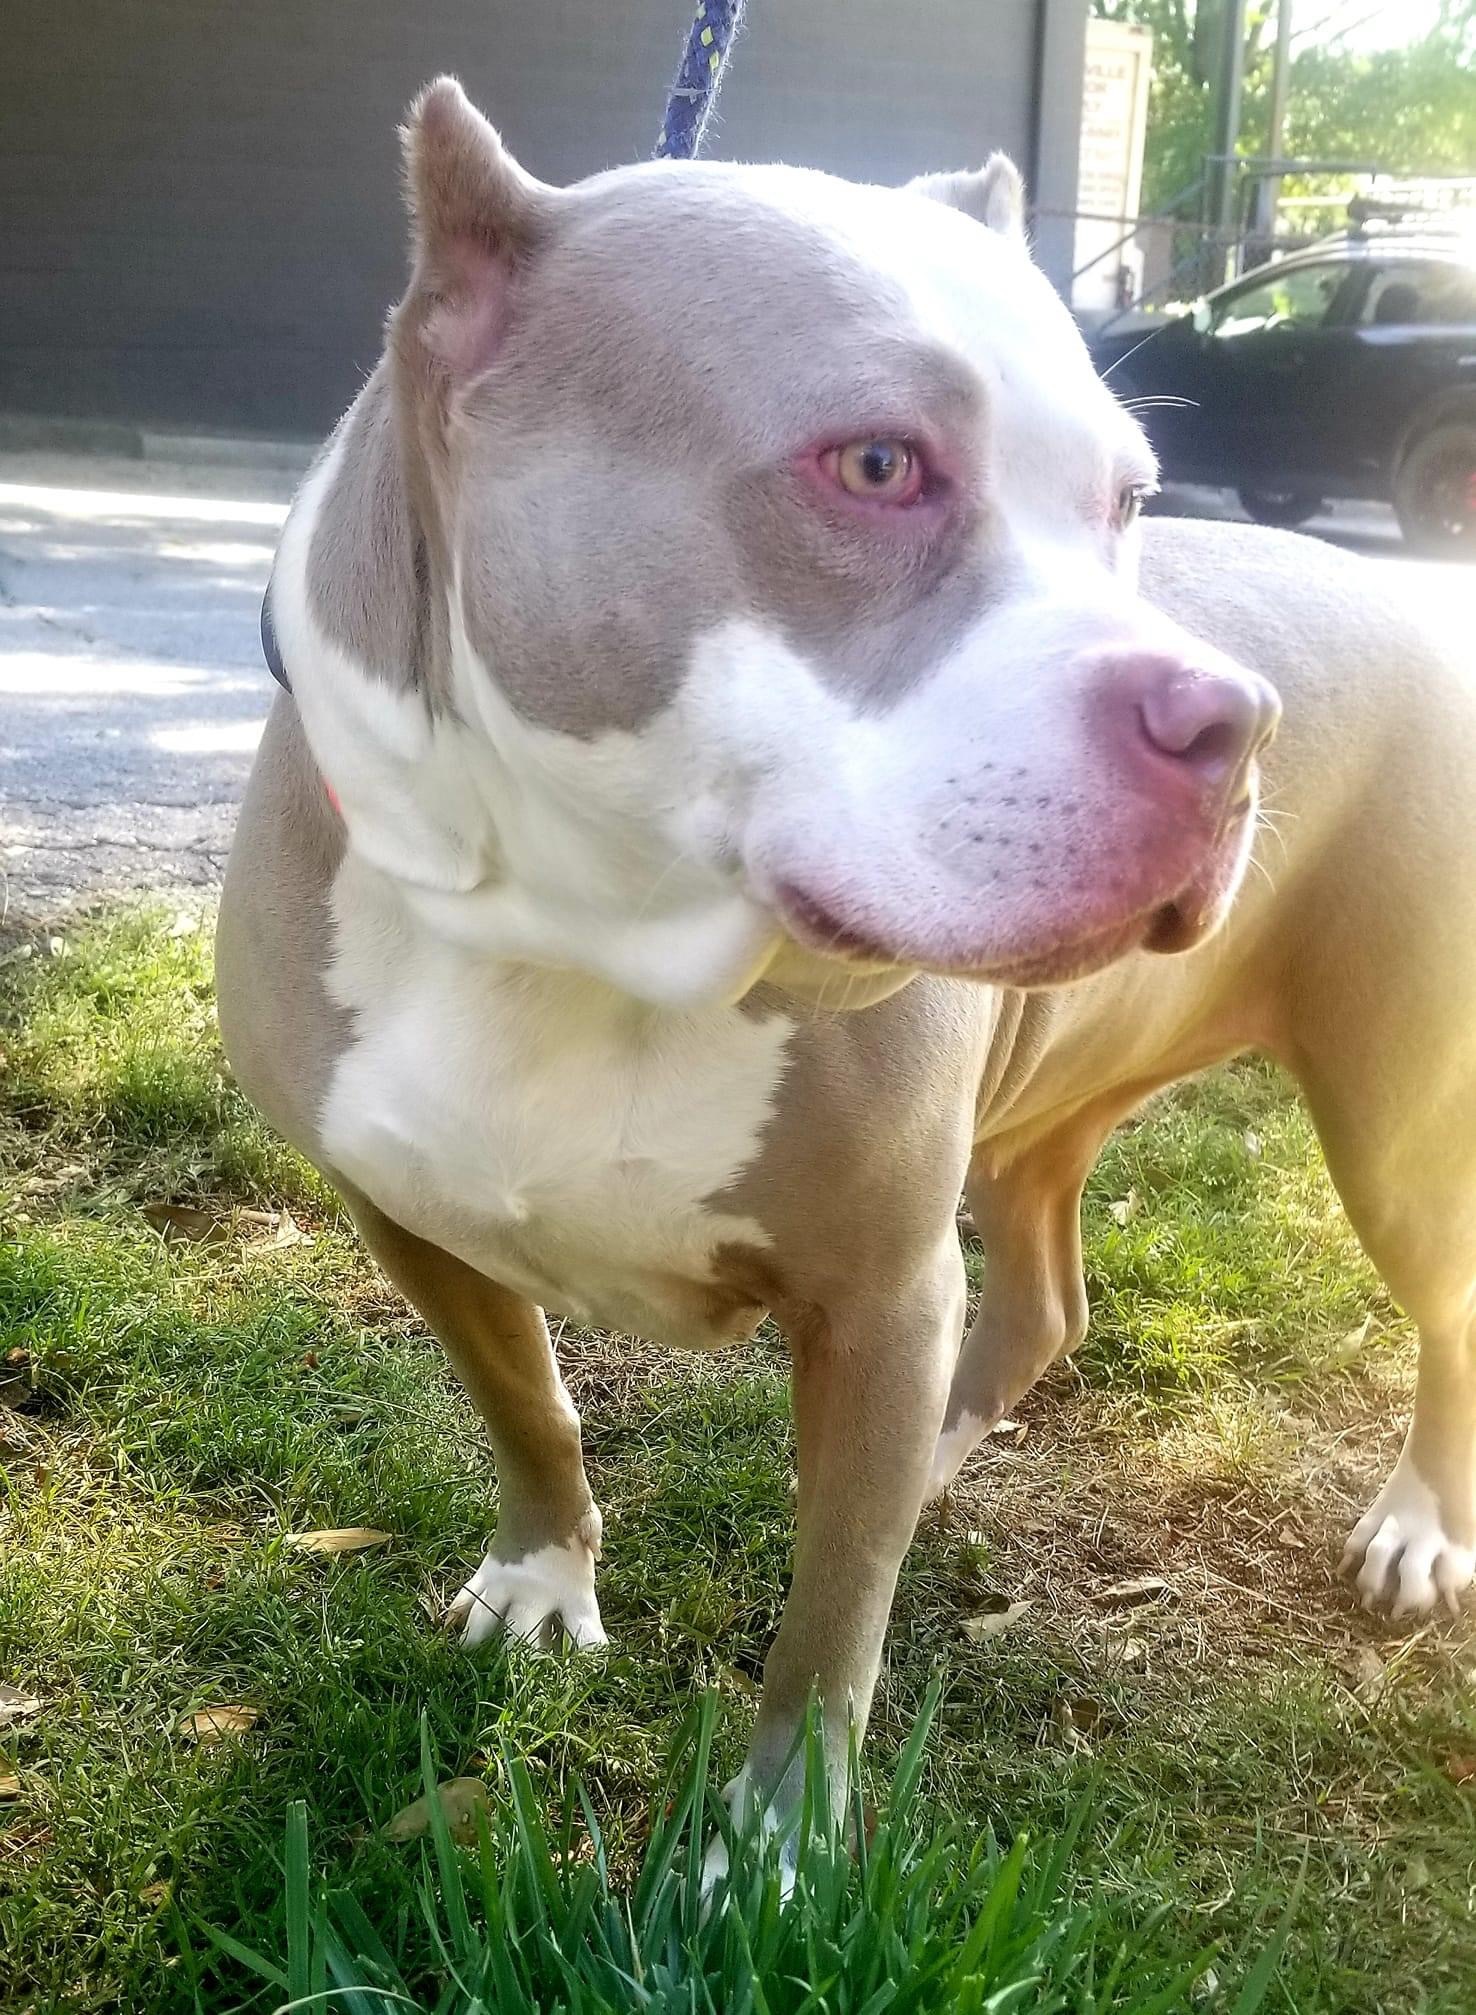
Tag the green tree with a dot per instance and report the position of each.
(1410, 109)
(1413, 110)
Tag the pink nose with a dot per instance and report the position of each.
(1214, 722)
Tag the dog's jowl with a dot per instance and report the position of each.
(734, 794)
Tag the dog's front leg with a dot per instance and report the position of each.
(537, 1578)
(870, 1381)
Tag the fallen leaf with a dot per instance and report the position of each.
(1147, 1588)
(993, 1622)
(182, 1221)
(338, 1539)
(460, 1798)
(15, 1705)
(1080, 1719)
(285, 1232)
(1351, 1343)
(1367, 1672)
(1460, 1769)
(1126, 1209)
(1287, 1537)
(1128, 1650)
(10, 1787)
(15, 1437)
(1011, 1430)
(219, 1724)
(27, 1842)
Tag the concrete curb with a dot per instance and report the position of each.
(22, 433)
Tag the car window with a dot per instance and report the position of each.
(1415, 291)
(1295, 298)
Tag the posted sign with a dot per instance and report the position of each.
(1114, 121)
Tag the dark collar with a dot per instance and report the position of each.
(270, 649)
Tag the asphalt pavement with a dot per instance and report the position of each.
(132, 688)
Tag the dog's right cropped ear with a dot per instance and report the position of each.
(993, 195)
(475, 216)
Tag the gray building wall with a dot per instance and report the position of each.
(199, 208)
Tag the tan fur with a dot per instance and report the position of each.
(1351, 958)
(500, 1348)
(281, 1030)
(1352, 967)
(586, 574)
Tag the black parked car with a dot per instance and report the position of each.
(1345, 371)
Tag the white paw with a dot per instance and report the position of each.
(955, 1445)
(542, 1597)
(739, 1795)
(1402, 1551)
(714, 1866)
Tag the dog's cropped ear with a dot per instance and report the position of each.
(475, 216)
(993, 195)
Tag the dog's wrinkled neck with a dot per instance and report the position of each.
(480, 818)
(376, 569)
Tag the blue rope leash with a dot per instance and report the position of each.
(694, 89)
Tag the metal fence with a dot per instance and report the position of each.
(1172, 255)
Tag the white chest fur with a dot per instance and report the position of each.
(557, 1135)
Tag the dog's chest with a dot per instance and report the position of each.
(558, 1136)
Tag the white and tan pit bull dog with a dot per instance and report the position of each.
(725, 717)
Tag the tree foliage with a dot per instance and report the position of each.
(1411, 110)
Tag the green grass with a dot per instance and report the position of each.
(888, 1913)
(1246, 1748)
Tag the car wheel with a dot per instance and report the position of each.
(1435, 491)
(1280, 507)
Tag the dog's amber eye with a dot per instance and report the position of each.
(883, 471)
(1130, 502)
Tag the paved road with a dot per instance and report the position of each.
(132, 690)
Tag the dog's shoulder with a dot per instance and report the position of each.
(274, 939)
(1297, 608)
